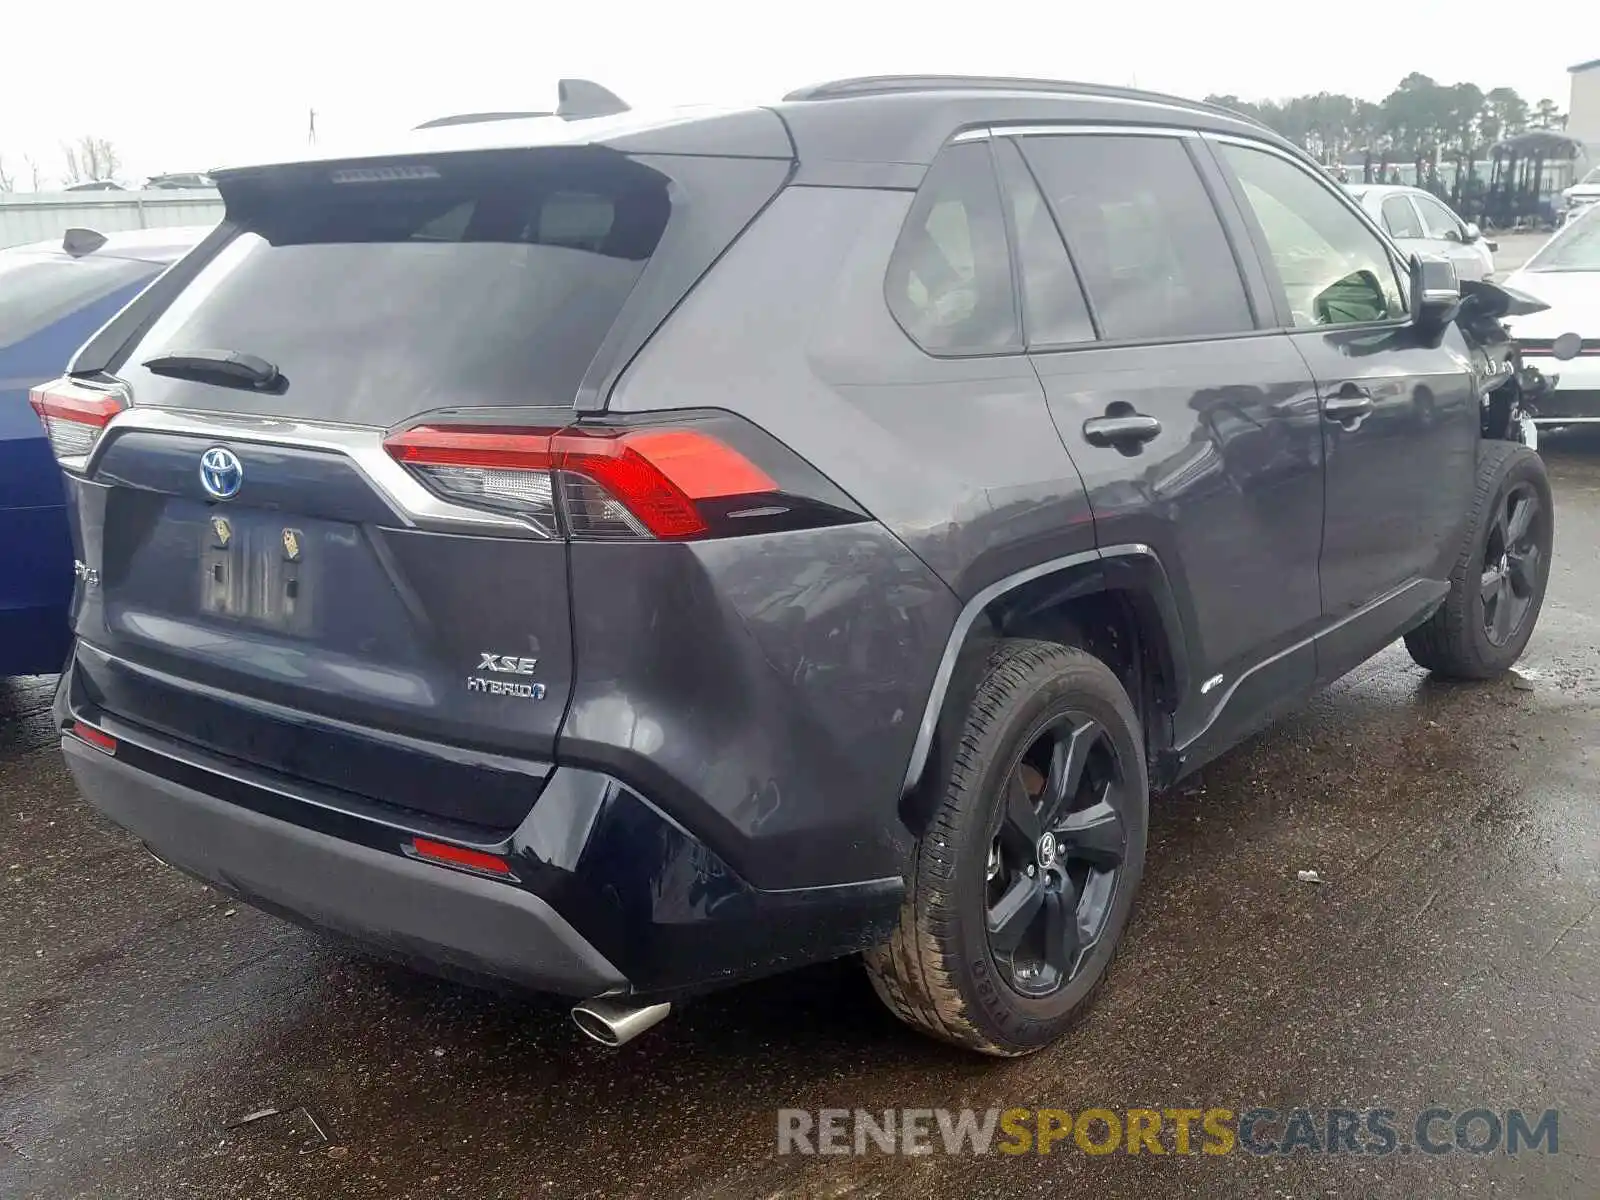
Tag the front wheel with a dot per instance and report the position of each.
(1025, 876)
(1498, 584)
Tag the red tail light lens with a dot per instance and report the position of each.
(74, 416)
(646, 482)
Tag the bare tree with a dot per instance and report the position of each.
(90, 159)
(33, 170)
(7, 183)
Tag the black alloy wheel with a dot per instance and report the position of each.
(1511, 562)
(1055, 859)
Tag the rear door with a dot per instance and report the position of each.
(273, 585)
(1222, 476)
(1400, 416)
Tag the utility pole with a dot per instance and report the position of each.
(311, 128)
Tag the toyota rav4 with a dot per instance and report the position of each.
(623, 555)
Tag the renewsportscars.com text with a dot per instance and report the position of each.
(1215, 1131)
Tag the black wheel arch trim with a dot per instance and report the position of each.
(1132, 568)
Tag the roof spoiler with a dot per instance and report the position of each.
(580, 98)
(78, 242)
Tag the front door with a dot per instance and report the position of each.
(1399, 409)
(1447, 238)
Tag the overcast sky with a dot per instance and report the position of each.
(181, 85)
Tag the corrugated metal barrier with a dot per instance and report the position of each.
(45, 216)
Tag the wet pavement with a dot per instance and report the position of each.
(1450, 956)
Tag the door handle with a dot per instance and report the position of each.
(1126, 433)
(1350, 406)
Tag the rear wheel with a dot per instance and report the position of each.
(1498, 584)
(1025, 876)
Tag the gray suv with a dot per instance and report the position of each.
(622, 555)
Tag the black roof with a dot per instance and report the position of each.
(895, 121)
(907, 118)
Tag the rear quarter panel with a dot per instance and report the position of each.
(818, 653)
(958, 457)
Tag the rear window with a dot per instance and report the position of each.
(378, 297)
(37, 290)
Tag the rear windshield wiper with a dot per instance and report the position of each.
(227, 367)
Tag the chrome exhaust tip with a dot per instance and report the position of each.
(614, 1024)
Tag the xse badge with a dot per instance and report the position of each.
(506, 664)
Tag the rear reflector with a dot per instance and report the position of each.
(74, 417)
(94, 737)
(459, 856)
(626, 483)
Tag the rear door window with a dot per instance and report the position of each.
(1143, 233)
(949, 281)
(487, 282)
(1054, 312)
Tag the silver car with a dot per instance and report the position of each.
(1421, 223)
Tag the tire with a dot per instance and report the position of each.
(1462, 639)
(941, 972)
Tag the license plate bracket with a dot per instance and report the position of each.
(259, 572)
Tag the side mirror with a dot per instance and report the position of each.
(1567, 347)
(1435, 291)
(1473, 233)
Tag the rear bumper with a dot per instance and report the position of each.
(408, 909)
(610, 895)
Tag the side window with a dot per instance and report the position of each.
(1334, 270)
(1400, 219)
(949, 281)
(1438, 220)
(1143, 233)
(1054, 312)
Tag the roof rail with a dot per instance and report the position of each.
(475, 118)
(579, 98)
(883, 85)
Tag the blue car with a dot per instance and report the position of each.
(53, 295)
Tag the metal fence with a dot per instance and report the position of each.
(45, 216)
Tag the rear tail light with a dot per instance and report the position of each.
(668, 482)
(74, 416)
